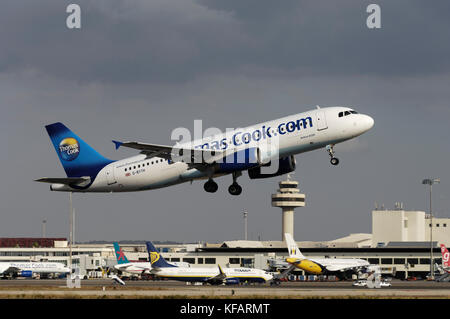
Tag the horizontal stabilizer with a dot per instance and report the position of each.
(64, 180)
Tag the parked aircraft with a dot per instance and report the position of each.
(27, 269)
(320, 266)
(135, 267)
(211, 275)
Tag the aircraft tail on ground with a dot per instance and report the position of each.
(294, 252)
(120, 256)
(156, 260)
(445, 257)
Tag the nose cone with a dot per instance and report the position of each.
(368, 122)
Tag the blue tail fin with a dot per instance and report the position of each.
(77, 157)
(156, 260)
(120, 256)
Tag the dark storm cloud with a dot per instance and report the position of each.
(172, 41)
(139, 68)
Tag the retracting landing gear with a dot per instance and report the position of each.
(235, 188)
(330, 150)
(211, 186)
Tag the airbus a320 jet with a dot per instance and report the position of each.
(264, 150)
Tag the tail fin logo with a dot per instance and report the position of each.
(120, 255)
(154, 257)
(445, 255)
(69, 149)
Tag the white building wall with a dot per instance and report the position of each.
(441, 230)
(415, 225)
(388, 225)
(400, 225)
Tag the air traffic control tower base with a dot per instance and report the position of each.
(288, 198)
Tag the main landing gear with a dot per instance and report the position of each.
(210, 186)
(330, 150)
(235, 188)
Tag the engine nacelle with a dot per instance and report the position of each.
(285, 165)
(232, 281)
(240, 161)
(25, 273)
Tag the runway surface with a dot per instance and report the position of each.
(104, 288)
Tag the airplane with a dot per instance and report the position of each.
(124, 265)
(265, 146)
(211, 275)
(445, 258)
(445, 268)
(135, 267)
(27, 269)
(321, 266)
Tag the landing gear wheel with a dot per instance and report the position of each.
(235, 189)
(330, 149)
(211, 186)
(334, 161)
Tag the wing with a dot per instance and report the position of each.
(65, 180)
(285, 272)
(10, 270)
(173, 153)
(219, 278)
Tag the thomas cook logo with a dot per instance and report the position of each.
(154, 257)
(69, 149)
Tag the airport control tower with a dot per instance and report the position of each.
(288, 198)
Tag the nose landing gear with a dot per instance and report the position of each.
(334, 160)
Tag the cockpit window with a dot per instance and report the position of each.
(341, 114)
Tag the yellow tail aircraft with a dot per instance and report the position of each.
(320, 266)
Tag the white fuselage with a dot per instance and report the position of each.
(35, 267)
(143, 267)
(340, 264)
(135, 268)
(206, 273)
(294, 134)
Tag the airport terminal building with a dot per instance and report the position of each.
(398, 244)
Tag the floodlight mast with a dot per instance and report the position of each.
(431, 181)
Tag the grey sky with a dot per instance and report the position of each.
(138, 69)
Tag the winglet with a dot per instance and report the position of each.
(220, 270)
(117, 144)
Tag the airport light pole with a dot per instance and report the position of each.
(71, 229)
(44, 222)
(430, 182)
(245, 225)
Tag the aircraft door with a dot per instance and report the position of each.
(321, 121)
(110, 178)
